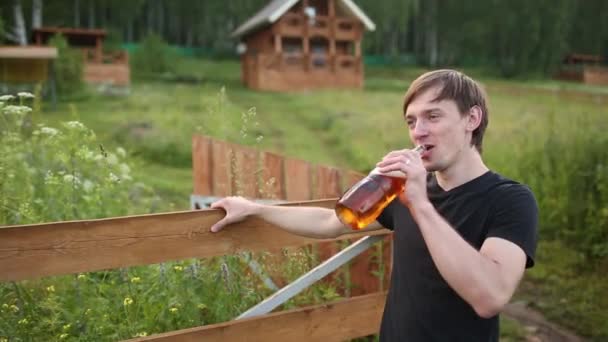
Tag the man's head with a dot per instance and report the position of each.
(446, 109)
(457, 87)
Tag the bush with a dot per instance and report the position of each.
(569, 175)
(153, 57)
(68, 67)
(53, 174)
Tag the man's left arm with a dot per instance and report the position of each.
(486, 279)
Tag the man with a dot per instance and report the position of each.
(463, 235)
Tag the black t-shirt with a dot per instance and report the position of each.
(421, 306)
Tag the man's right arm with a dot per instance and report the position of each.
(311, 222)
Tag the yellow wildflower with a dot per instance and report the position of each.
(127, 301)
(63, 336)
(51, 288)
(82, 276)
(23, 321)
(178, 268)
(141, 334)
(173, 310)
(135, 280)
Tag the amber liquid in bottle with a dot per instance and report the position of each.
(364, 202)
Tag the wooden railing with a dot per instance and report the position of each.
(33, 251)
(294, 25)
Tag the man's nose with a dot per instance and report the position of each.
(420, 129)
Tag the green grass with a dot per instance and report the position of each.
(352, 129)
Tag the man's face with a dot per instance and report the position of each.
(438, 126)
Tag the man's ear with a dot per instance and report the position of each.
(474, 118)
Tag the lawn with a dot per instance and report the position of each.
(349, 129)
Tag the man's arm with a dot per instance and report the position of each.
(305, 221)
(487, 278)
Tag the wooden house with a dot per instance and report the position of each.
(589, 69)
(99, 67)
(303, 44)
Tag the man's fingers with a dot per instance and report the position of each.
(219, 225)
(217, 204)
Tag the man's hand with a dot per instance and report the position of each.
(410, 164)
(237, 209)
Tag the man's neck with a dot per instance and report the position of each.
(469, 166)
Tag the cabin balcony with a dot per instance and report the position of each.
(319, 26)
(347, 29)
(291, 25)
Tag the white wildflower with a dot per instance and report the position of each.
(12, 109)
(74, 125)
(71, 179)
(50, 131)
(114, 178)
(98, 157)
(124, 169)
(5, 98)
(121, 152)
(87, 185)
(112, 159)
(25, 95)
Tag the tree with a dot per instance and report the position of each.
(36, 14)
(19, 33)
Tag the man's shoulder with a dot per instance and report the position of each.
(504, 185)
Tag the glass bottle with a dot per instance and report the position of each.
(364, 202)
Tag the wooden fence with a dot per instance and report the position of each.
(33, 251)
(48, 249)
(224, 169)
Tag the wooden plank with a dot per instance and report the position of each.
(272, 185)
(362, 269)
(327, 185)
(220, 168)
(328, 182)
(201, 165)
(338, 321)
(82, 246)
(350, 178)
(244, 171)
(297, 180)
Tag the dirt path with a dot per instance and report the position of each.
(537, 327)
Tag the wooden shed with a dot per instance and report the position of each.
(99, 67)
(25, 64)
(589, 69)
(303, 44)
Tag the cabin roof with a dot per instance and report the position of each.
(28, 52)
(276, 8)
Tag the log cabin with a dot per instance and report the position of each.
(292, 45)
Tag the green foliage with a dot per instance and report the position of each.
(52, 174)
(567, 294)
(152, 57)
(569, 175)
(68, 67)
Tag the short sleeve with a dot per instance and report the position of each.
(386, 217)
(514, 217)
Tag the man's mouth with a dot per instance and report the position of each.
(427, 150)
